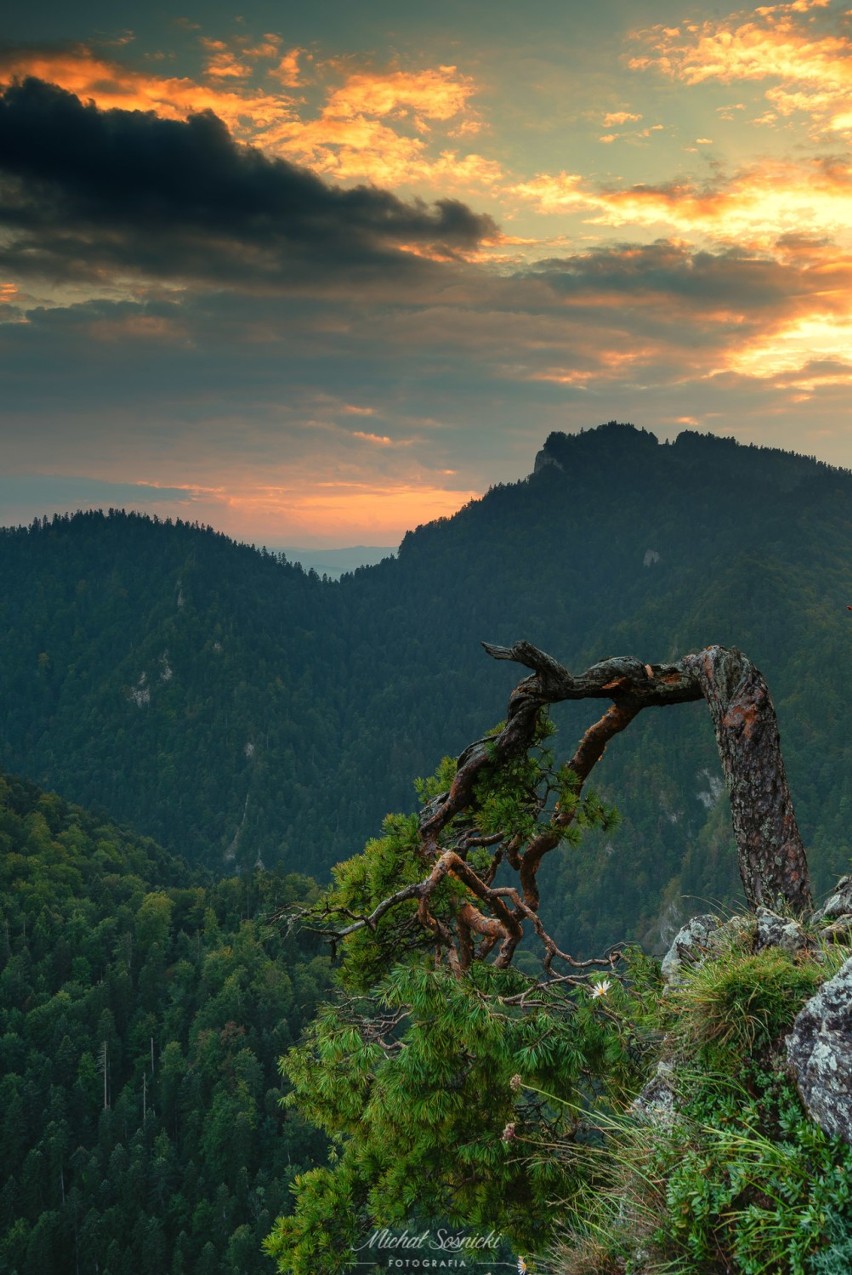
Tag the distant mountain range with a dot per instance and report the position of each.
(336, 562)
(240, 710)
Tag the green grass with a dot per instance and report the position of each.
(730, 1008)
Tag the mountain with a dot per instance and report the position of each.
(240, 710)
(335, 562)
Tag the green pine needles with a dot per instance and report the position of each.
(446, 1098)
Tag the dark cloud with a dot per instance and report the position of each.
(674, 269)
(85, 190)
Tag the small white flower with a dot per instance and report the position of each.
(601, 988)
(522, 1266)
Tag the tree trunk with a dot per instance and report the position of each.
(772, 860)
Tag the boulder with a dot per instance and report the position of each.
(689, 946)
(819, 1054)
(779, 931)
(839, 903)
(657, 1102)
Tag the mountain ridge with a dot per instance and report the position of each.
(241, 710)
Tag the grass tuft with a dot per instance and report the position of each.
(731, 1008)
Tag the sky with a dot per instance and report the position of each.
(315, 274)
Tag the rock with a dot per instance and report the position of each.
(839, 904)
(740, 929)
(543, 459)
(689, 946)
(778, 931)
(840, 931)
(819, 1054)
(657, 1103)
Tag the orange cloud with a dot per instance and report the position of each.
(619, 117)
(109, 84)
(363, 149)
(222, 63)
(434, 94)
(813, 338)
(359, 148)
(386, 127)
(288, 72)
(611, 364)
(633, 133)
(772, 43)
(269, 47)
(753, 208)
(381, 439)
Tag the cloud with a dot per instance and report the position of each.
(288, 71)
(96, 78)
(391, 127)
(380, 440)
(358, 147)
(751, 208)
(786, 43)
(223, 64)
(433, 94)
(814, 339)
(628, 314)
(633, 134)
(788, 323)
(87, 191)
(394, 127)
(619, 117)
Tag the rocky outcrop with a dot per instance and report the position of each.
(819, 1045)
(706, 935)
(545, 458)
(689, 946)
(779, 931)
(657, 1102)
(839, 904)
(819, 1054)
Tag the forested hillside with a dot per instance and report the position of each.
(241, 711)
(142, 1012)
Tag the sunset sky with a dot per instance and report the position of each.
(317, 273)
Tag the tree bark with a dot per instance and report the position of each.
(772, 860)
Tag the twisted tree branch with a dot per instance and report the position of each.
(772, 860)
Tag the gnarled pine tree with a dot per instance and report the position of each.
(415, 1071)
